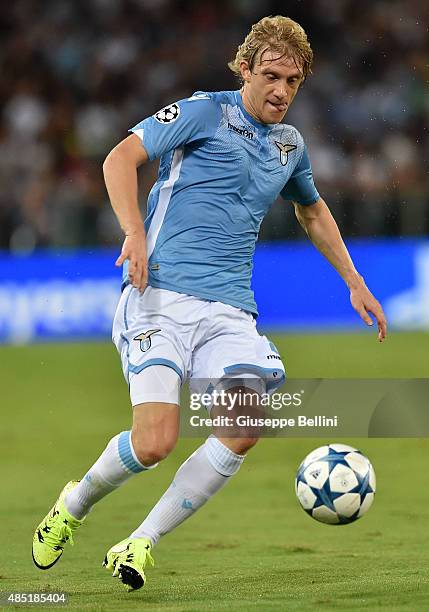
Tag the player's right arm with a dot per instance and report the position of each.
(183, 122)
(120, 176)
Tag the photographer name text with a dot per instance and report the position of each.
(267, 422)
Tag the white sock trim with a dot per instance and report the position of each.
(223, 460)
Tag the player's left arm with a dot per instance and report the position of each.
(320, 226)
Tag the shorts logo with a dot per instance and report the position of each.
(284, 150)
(145, 339)
(168, 114)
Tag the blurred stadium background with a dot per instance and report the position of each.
(76, 75)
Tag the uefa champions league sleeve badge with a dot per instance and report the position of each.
(168, 114)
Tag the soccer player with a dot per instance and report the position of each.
(187, 310)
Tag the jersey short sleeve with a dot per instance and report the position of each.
(178, 124)
(300, 187)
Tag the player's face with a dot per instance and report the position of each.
(270, 88)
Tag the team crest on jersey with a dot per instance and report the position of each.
(284, 149)
(145, 339)
(168, 114)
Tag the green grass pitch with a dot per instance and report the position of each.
(251, 547)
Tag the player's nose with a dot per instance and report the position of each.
(281, 92)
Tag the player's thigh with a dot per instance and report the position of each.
(145, 334)
(237, 355)
(153, 362)
(245, 365)
(155, 430)
(155, 395)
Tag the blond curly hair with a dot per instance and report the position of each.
(279, 34)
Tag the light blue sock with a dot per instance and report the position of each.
(117, 464)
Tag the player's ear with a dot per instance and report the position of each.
(245, 71)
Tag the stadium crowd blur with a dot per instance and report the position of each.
(76, 75)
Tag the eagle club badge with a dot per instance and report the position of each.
(145, 339)
(284, 150)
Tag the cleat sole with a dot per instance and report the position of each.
(45, 567)
(130, 577)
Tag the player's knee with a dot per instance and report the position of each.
(151, 449)
(149, 455)
(241, 445)
(154, 432)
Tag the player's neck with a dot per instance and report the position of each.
(248, 106)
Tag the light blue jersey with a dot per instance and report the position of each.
(220, 171)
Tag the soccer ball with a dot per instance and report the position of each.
(335, 484)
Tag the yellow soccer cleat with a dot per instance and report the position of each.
(54, 532)
(128, 560)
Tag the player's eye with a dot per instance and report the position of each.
(271, 77)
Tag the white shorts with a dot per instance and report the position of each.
(194, 339)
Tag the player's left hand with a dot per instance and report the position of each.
(364, 303)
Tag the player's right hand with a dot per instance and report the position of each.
(134, 249)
